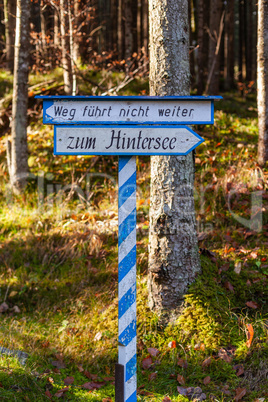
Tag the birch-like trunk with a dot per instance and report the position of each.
(17, 149)
(262, 71)
(173, 254)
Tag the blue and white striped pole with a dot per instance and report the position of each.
(127, 391)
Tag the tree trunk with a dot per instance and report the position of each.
(10, 23)
(213, 58)
(65, 49)
(200, 43)
(262, 80)
(173, 254)
(229, 46)
(17, 149)
(128, 19)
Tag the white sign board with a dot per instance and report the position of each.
(125, 140)
(99, 110)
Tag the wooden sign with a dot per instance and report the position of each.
(125, 140)
(128, 109)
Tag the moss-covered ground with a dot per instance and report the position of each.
(58, 270)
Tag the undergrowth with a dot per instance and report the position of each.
(58, 273)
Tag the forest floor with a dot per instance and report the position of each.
(58, 269)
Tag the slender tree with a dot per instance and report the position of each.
(173, 255)
(263, 81)
(10, 23)
(65, 49)
(17, 148)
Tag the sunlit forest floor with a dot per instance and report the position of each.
(58, 269)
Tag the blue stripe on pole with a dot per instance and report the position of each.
(127, 274)
(126, 190)
(125, 230)
(128, 334)
(132, 398)
(126, 301)
(126, 264)
(131, 367)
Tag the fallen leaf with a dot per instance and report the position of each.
(182, 391)
(58, 364)
(147, 362)
(166, 399)
(207, 380)
(239, 369)
(240, 393)
(107, 400)
(152, 376)
(224, 355)
(48, 394)
(172, 344)
(199, 346)
(238, 267)
(80, 368)
(3, 307)
(182, 363)
(68, 380)
(60, 392)
(13, 293)
(153, 352)
(93, 385)
(250, 334)
(98, 336)
(90, 375)
(181, 379)
(252, 304)
(207, 362)
(108, 379)
(229, 286)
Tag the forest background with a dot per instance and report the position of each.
(58, 252)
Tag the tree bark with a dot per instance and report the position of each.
(200, 43)
(18, 152)
(262, 81)
(213, 58)
(173, 253)
(10, 24)
(65, 49)
(229, 46)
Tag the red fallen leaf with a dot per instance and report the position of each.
(56, 370)
(182, 391)
(68, 380)
(48, 394)
(224, 356)
(60, 392)
(252, 304)
(152, 376)
(207, 380)
(93, 385)
(250, 335)
(229, 286)
(90, 375)
(147, 362)
(172, 345)
(153, 352)
(239, 393)
(59, 364)
(108, 379)
(239, 369)
(107, 400)
(182, 363)
(166, 399)
(207, 362)
(181, 379)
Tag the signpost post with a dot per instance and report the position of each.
(126, 126)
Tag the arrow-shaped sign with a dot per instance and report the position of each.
(125, 140)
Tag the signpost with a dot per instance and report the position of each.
(126, 126)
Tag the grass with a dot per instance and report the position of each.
(58, 266)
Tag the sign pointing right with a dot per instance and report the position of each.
(125, 140)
